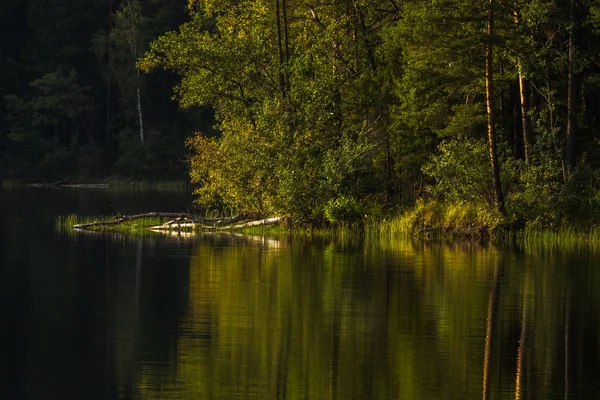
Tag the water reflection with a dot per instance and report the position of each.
(233, 317)
(323, 321)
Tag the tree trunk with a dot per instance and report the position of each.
(139, 108)
(524, 101)
(108, 94)
(489, 93)
(523, 97)
(571, 93)
(134, 26)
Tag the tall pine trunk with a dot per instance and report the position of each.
(523, 97)
(489, 93)
(571, 92)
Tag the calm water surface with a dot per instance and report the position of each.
(234, 317)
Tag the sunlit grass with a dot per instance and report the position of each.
(567, 237)
(436, 220)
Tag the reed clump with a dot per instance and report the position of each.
(433, 219)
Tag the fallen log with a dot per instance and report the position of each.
(125, 218)
(170, 225)
(179, 221)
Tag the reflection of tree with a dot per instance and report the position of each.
(322, 321)
(127, 324)
(521, 351)
(490, 326)
(567, 358)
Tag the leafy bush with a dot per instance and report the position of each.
(462, 171)
(342, 209)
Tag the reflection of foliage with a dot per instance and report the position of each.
(383, 320)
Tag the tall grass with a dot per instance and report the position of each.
(566, 237)
(433, 219)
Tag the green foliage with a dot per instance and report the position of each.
(288, 149)
(461, 171)
(342, 210)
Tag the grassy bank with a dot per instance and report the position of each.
(437, 220)
(425, 220)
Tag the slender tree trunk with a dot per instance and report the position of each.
(280, 49)
(139, 107)
(523, 96)
(489, 93)
(107, 139)
(524, 101)
(134, 26)
(571, 93)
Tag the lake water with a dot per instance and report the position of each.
(97, 316)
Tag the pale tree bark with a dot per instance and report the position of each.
(139, 108)
(489, 93)
(523, 96)
(135, 18)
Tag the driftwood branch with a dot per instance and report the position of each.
(125, 218)
(181, 221)
(191, 224)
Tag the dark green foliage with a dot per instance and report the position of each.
(346, 108)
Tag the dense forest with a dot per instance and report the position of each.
(73, 105)
(326, 110)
